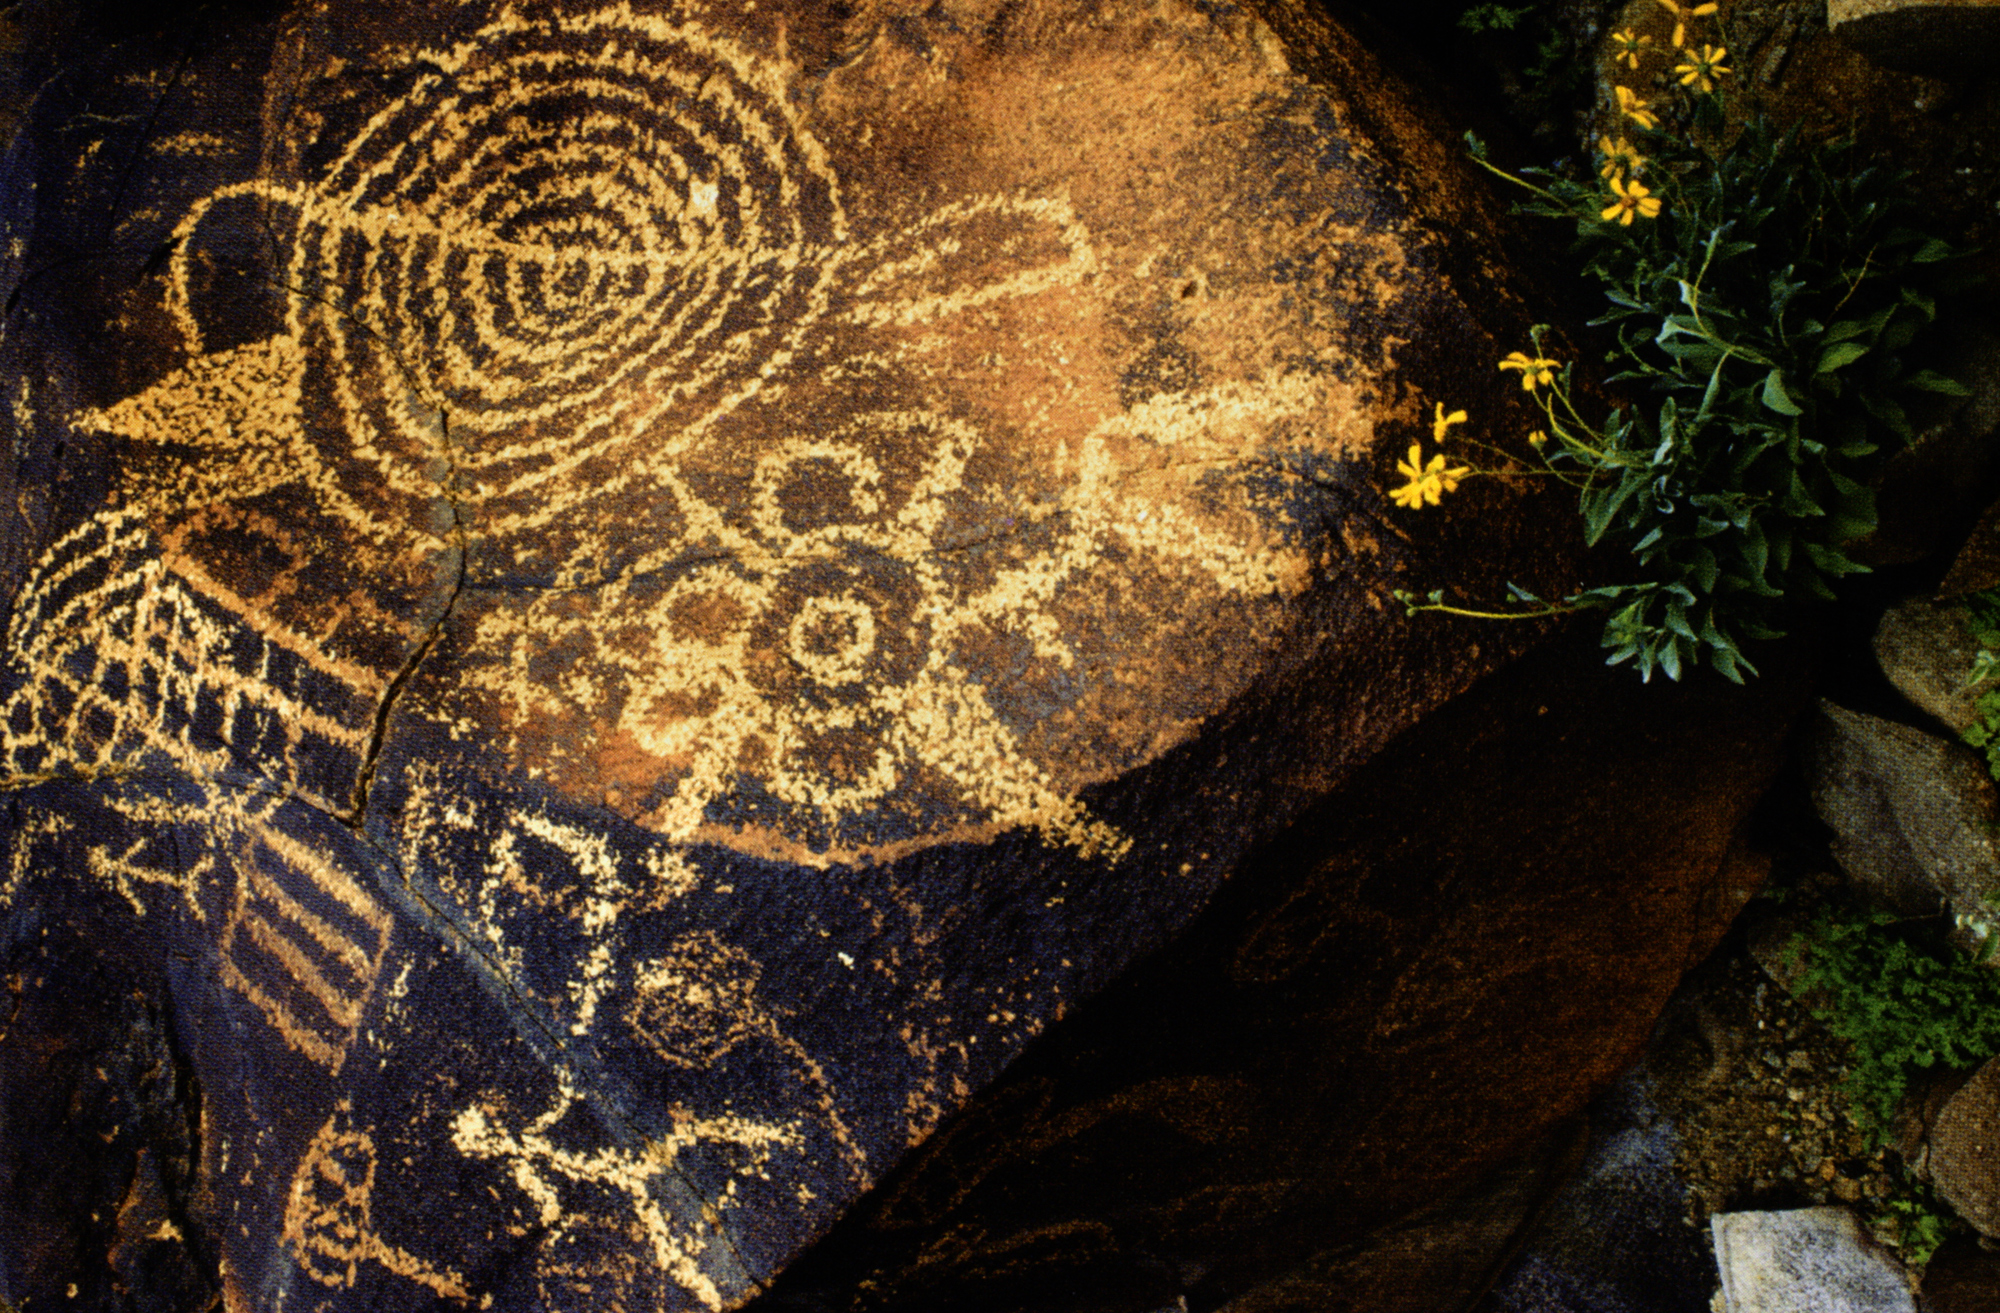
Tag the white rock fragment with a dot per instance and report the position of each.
(1807, 1260)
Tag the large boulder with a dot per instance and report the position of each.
(1912, 814)
(1942, 38)
(612, 606)
(1464, 943)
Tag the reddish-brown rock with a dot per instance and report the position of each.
(613, 605)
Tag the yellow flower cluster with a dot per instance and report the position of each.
(1628, 199)
(1535, 371)
(1700, 69)
(1425, 483)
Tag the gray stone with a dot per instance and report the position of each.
(1926, 650)
(1911, 813)
(1808, 1260)
(1965, 1150)
(1614, 1238)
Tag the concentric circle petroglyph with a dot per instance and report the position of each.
(562, 232)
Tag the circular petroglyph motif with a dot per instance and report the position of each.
(831, 639)
(697, 1001)
(562, 232)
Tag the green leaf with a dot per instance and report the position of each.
(1724, 661)
(1600, 504)
(1932, 251)
(1889, 412)
(1839, 356)
(1931, 381)
(1775, 396)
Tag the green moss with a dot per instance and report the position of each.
(1904, 1001)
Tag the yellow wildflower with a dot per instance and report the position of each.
(1700, 70)
(1534, 369)
(1538, 439)
(1422, 486)
(1632, 107)
(1443, 422)
(1632, 199)
(1629, 45)
(1620, 156)
(1681, 15)
(1426, 482)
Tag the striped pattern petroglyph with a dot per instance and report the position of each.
(307, 957)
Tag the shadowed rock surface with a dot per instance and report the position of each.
(613, 606)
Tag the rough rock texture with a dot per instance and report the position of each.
(1977, 565)
(612, 606)
(1937, 37)
(1775, 943)
(1472, 951)
(1912, 814)
(1965, 1150)
(1808, 1260)
(1443, 1257)
(1926, 650)
(1927, 490)
(1615, 1239)
(1962, 1278)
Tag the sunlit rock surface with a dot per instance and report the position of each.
(612, 606)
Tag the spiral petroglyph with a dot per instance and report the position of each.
(562, 234)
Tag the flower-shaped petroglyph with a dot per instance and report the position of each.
(821, 651)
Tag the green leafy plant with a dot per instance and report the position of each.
(1493, 17)
(1551, 74)
(1982, 615)
(1763, 302)
(1914, 1221)
(1902, 1003)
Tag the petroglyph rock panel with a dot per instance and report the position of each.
(612, 605)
